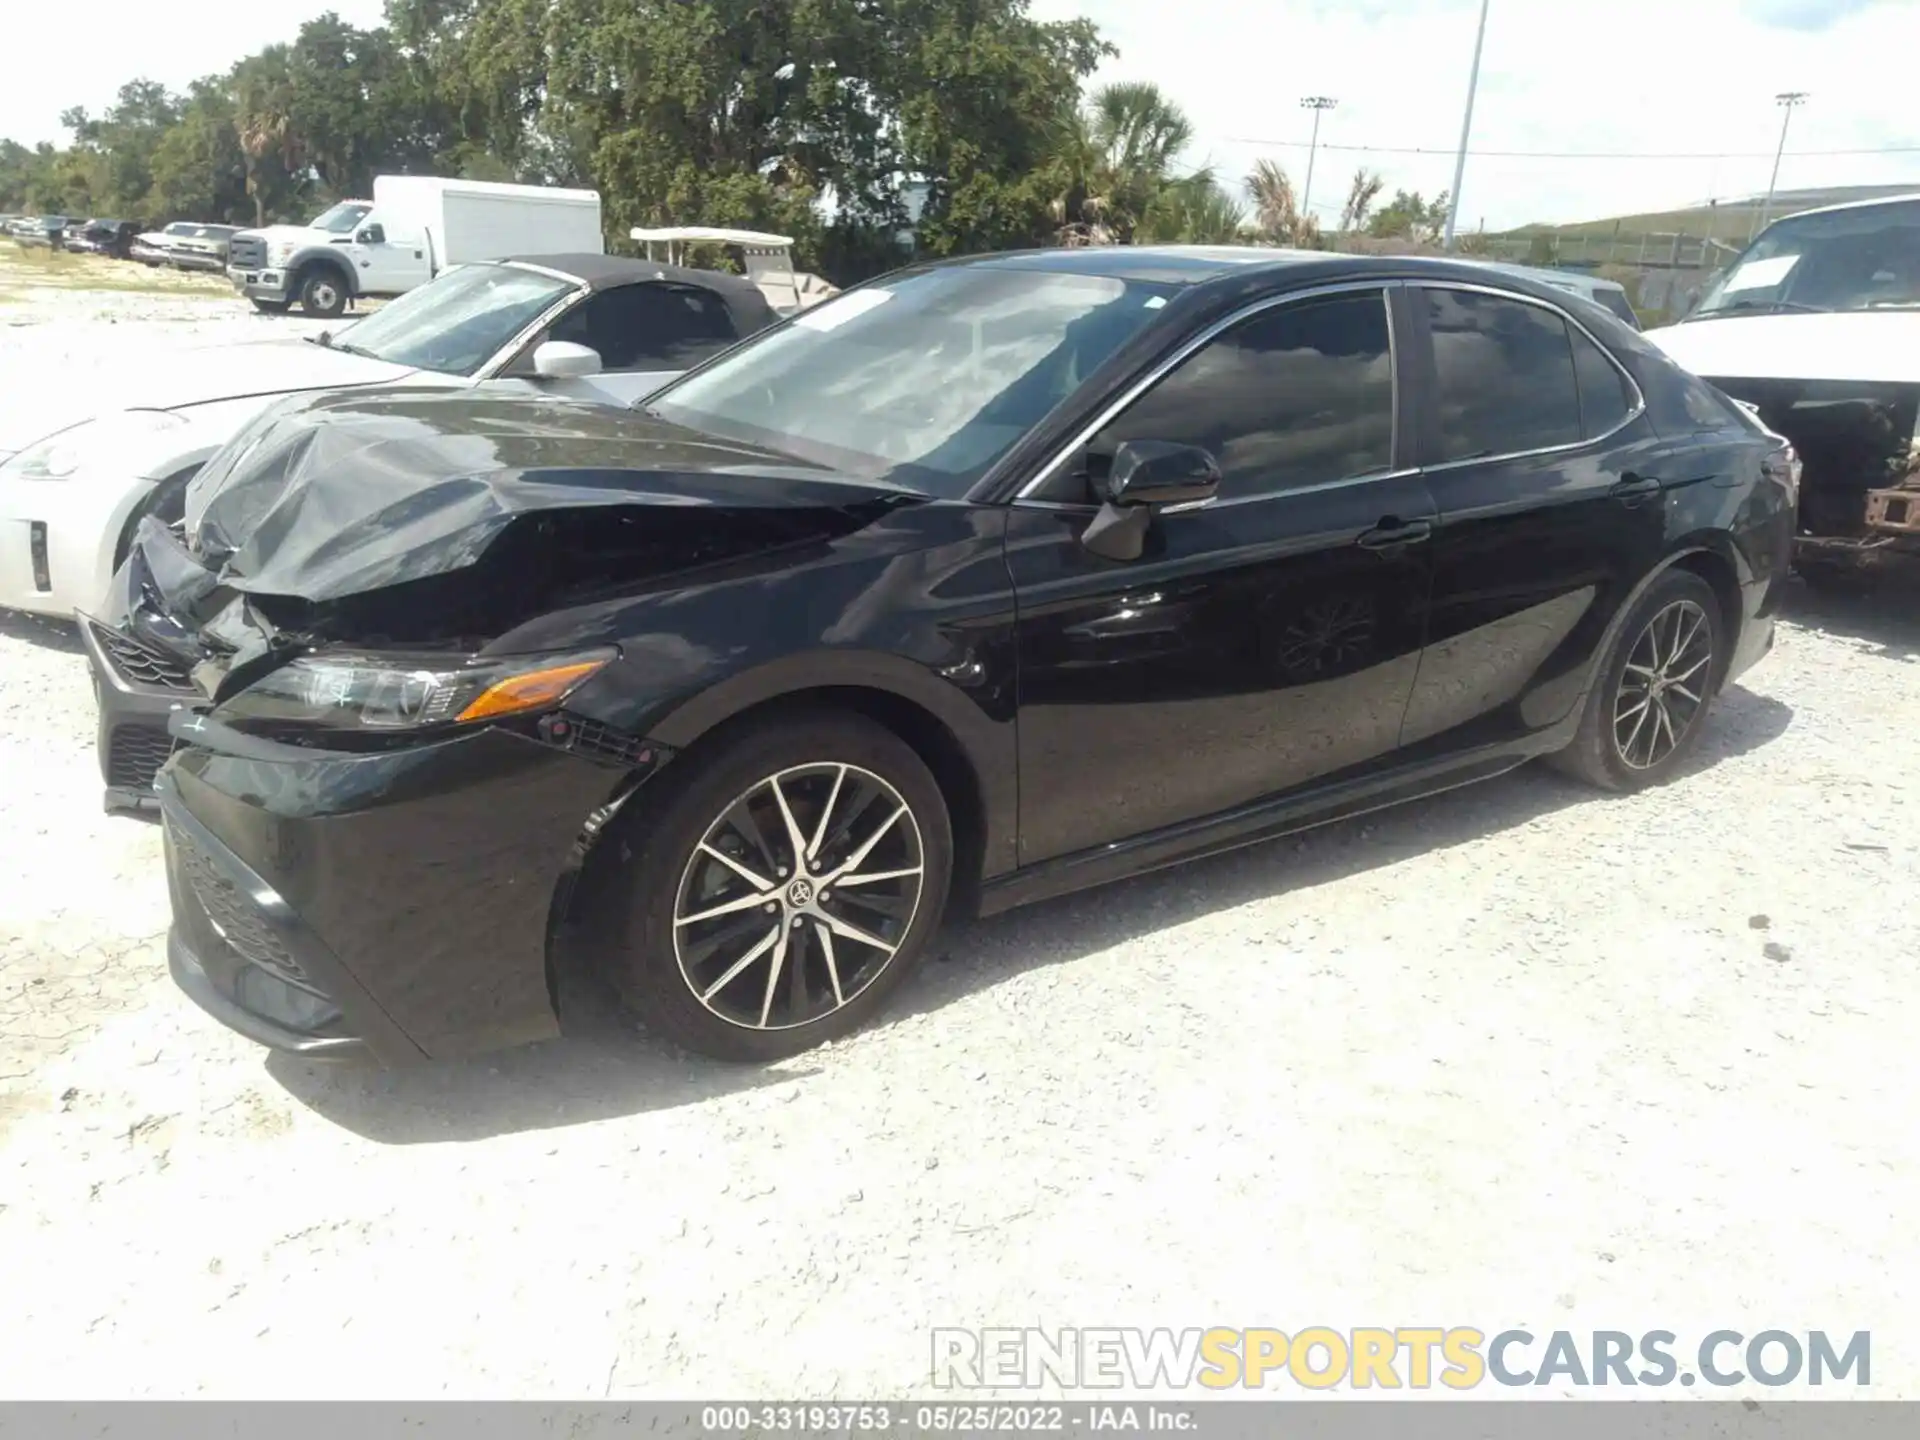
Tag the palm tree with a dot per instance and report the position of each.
(1113, 161)
(1361, 195)
(262, 122)
(1196, 210)
(1276, 208)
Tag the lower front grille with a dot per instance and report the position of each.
(234, 916)
(135, 754)
(142, 664)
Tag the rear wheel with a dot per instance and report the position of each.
(1649, 705)
(788, 883)
(323, 294)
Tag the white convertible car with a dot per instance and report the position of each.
(81, 466)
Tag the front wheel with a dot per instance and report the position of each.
(323, 295)
(786, 886)
(1649, 705)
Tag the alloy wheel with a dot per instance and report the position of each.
(798, 896)
(1663, 689)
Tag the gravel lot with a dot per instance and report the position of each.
(1514, 1056)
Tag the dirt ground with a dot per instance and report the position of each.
(1515, 1056)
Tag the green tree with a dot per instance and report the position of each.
(1362, 194)
(1113, 165)
(1408, 216)
(1276, 208)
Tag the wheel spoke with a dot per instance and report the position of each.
(741, 819)
(794, 837)
(1626, 750)
(848, 931)
(874, 879)
(1678, 689)
(697, 953)
(852, 862)
(1645, 672)
(734, 865)
(771, 938)
(745, 902)
(825, 936)
(826, 814)
(773, 970)
(1690, 671)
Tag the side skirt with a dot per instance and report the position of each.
(1250, 824)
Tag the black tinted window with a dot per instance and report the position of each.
(1605, 401)
(1504, 376)
(1293, 396)
(650, 327)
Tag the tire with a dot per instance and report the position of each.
(323, 294)
(168, 501)
(692, 857)
(271, 307)
(1612, 749)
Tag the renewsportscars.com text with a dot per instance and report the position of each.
(1401, 1357)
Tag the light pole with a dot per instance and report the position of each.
(1466, 126)
(1788, 101)
(1319, 105)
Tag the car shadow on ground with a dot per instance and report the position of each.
(44, 631)
(606, 1069)
(1884, 612)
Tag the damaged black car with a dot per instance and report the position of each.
(981, 583)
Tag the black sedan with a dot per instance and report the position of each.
(984, 582)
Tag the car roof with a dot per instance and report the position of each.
(742, 297)
(1851, 205)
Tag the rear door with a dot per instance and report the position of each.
(1265, 639)
(1549, 482)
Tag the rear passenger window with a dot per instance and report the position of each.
(1297, 395)
(1605, 401)
(1504, 380)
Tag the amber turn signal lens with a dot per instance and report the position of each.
(535, 690)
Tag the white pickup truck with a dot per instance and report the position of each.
(414, 227)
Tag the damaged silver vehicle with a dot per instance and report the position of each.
(1816, 327)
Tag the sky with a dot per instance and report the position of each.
(1694, 78)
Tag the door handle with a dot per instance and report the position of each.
(1390, 534)
(1634, 488)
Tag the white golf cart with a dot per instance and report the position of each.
(766, 258)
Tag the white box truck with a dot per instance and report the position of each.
(414, 227)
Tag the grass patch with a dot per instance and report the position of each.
(23, 268)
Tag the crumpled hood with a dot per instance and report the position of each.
(35, 404)
(1867, 346)
(340, 495)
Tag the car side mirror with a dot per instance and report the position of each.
(372, 235)
(1148, 475)
(564, 360)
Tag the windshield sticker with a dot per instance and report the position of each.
(1154, 302)
(1759, 274)
(843, 308)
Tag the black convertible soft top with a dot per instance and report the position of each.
(742, 297)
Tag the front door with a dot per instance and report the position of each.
(1263, 640)
(1551, 487)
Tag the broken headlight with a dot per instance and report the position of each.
(391, 693)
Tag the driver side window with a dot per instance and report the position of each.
(1297, 395)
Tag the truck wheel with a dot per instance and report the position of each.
(323, 294)
(271, 307)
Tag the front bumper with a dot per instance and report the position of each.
(57, 539)
(410, 891)
(136, 690)
(258, 284)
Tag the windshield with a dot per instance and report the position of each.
(1859, 259)
(458, 322)
(341, 218)
(924, 381)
